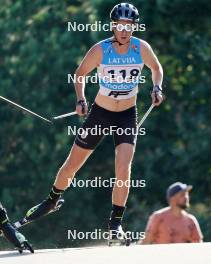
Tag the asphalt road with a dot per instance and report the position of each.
(147, 254)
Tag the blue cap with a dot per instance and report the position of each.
(176, 188)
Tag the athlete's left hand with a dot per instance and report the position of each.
(157, 96)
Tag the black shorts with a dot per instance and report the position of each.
(100, 122)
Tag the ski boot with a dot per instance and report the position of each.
(51, 204)
(117, 236)
(46, 207)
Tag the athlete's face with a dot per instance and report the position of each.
(123, 30)
(181, 199)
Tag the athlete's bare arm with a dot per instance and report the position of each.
(91, 60)
(151, 61)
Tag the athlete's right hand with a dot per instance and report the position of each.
(82, 107)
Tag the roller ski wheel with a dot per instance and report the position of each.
(117, 237)
(25, 246)
(119, 242)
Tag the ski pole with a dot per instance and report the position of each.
(24, 109)
(68, 114)
(145, 116)
(65, 115)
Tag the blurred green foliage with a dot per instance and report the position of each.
(36, 54)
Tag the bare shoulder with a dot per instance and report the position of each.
(148, 56)
(94, 54)
(145, 46)
(96, 49)
(191, 217)
(161, 212)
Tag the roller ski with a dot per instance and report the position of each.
(116, 234)
(12, 234)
